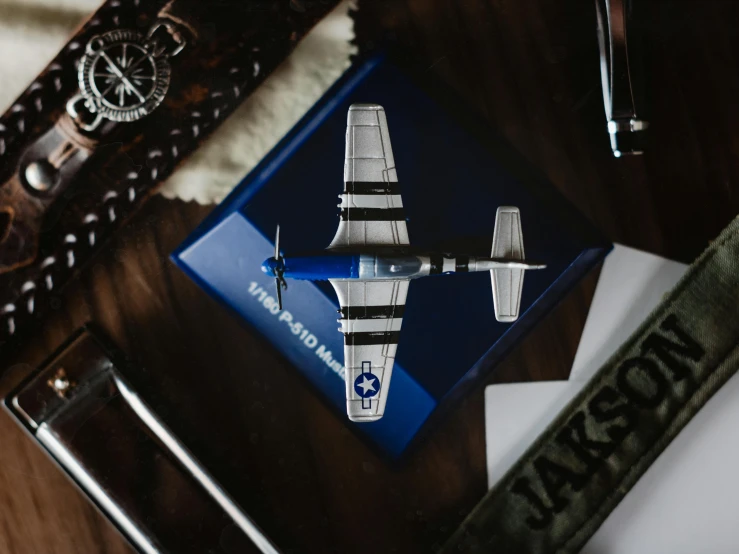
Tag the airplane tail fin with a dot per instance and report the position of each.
(507, 283)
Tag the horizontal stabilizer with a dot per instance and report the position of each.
(507, 283)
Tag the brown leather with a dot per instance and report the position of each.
(22, 218)
(238, 47)
(63, 148)
(175, 12)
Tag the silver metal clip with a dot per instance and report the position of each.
(621, 85)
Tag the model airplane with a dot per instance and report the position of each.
(370, 264)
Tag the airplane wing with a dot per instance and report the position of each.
(507, 283)
(371, 315)
(371, 207)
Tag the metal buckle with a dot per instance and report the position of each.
(173, 31)
(74, 113)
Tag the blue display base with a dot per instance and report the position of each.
(453, 177)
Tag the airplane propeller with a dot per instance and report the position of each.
(280, 281)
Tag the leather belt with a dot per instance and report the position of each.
(109, 120)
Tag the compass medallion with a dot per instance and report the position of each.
(120, 77)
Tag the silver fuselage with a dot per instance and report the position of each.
(368, 267)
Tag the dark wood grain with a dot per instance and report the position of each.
(531, 70)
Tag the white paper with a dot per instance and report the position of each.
(687, 501)
(631, 284)
(515, 414)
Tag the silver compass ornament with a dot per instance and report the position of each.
(123, 75)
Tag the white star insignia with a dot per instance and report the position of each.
(367, 384)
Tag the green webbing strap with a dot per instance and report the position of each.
(560, 491)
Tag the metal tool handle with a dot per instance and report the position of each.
(83, 412)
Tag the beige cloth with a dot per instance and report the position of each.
(32, 31)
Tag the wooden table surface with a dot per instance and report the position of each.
(531, 69)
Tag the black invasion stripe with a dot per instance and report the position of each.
(364, 187)
(437, 264)
(364, 339)
(463, 264)
(371, 312)
(372, 214)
